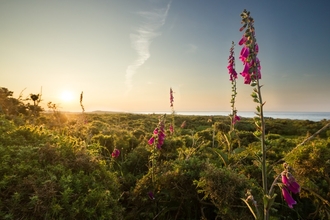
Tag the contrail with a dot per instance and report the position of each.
(143, 38)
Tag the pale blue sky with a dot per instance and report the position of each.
(126, 54)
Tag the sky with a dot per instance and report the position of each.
(125, 55)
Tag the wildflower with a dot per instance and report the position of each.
(115, 153)
(246, 74)
(244, 54)
(236, 118)
(158, 134)
(151, 195)
(231, 64)
(251, 71)
(151, 140)
(288, 198)
(232, 72)
(243, 39)
(289, 184)
(248, 55)
(289, 181)
(161, 136)
(171, 102)
(171, 97)
(171, 129)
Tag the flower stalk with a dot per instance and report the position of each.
(171, 128)
(233, 115)
(157, 140)
(252, 75)
(232, 77)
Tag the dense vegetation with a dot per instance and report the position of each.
(61, 166)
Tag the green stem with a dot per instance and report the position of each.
(263, 148)
(233, 110)
(153, 164)
(271, 190)
(213, 135)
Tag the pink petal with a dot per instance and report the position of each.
(243, 40)
(115, 153)
(244, 54)
(151, 141)
(288, 198)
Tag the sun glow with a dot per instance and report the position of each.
(66, 96)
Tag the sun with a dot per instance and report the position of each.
(66, 96)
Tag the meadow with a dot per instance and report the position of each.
(102, 166)
(136, 166)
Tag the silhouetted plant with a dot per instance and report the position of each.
(36, 109)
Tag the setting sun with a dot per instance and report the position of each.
(66, 96)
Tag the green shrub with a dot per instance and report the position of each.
(64, 181)
(224, 188)
(311, 166)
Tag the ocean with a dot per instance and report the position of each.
(311, 116)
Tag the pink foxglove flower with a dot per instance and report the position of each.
(243, 39)
(231, 64)
(244, 54)
(289, 181)
(246, 74)
(171, 129)
(288, 198)
(161, 136)
(171, 97)
(236, 118)
(158, 134)
(151, 140)
(249, 53)
(115, 153)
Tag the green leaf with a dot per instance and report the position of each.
(254, 95)
(269, 201)
(257, 134)
(222, 155)
(239, 150)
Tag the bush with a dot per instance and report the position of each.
(224, 188)
(54, 181)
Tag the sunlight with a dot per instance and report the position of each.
(66, 96)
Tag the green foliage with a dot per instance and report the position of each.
(312, 169)
(59, 166)
(224, 188)
(175, 194)
(65, 180)
(41, 183)
(247, 137)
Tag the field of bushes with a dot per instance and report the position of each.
(101, 166)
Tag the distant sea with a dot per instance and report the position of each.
(311, 116)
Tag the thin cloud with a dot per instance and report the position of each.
(191, 48)
(142, 39)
